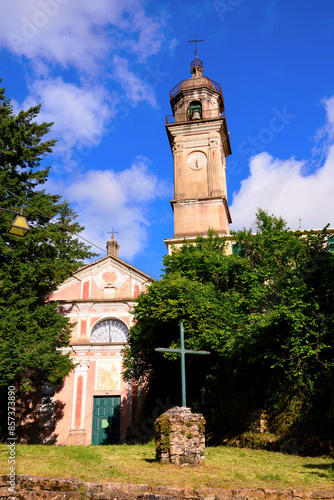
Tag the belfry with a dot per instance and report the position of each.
(199, 140)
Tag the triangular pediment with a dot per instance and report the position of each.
(108, 278)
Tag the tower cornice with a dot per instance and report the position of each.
(203, 126)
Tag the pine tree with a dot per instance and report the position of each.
(32, 331)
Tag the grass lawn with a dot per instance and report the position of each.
(223, 467)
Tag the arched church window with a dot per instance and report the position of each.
(109, 330)
(195, 110)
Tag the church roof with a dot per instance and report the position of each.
(120, 261)
(108, 278)
(197, 80)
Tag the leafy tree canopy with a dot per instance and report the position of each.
(266, 314)
(32, 331)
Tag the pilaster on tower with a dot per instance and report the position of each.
(199, 140)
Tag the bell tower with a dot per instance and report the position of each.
(199, 140)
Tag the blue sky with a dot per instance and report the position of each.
(103, 71)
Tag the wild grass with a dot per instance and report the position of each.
(223, 467)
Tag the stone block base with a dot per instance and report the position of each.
(179, 436)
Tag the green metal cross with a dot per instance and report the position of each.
(182, 351)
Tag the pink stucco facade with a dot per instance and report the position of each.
(97, 299)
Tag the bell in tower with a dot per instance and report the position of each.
(195, 110)
(200, 143)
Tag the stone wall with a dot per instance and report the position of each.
(33, 488)
(179, 436)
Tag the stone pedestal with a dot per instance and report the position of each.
(180, 437)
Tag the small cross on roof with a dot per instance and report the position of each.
(112, 232)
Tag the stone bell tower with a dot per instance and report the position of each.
(200, 143)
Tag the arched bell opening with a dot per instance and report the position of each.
(195, 110)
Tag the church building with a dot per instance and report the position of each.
(97, 406)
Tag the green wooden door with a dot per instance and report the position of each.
(106, 419)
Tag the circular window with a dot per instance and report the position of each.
(110, 330)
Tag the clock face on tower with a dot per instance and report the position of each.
(109, 330)
(196, 160)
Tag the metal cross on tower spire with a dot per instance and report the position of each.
(182, 351)
(195, 42)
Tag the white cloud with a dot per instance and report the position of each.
(150, 35)
(96, 40)
(328, 129)
(329, 105)
(105, 198)
(58, 31)
(78, 32)
(282, 188)
(136, 90)
(79, 114)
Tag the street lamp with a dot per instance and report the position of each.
(20, 225)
